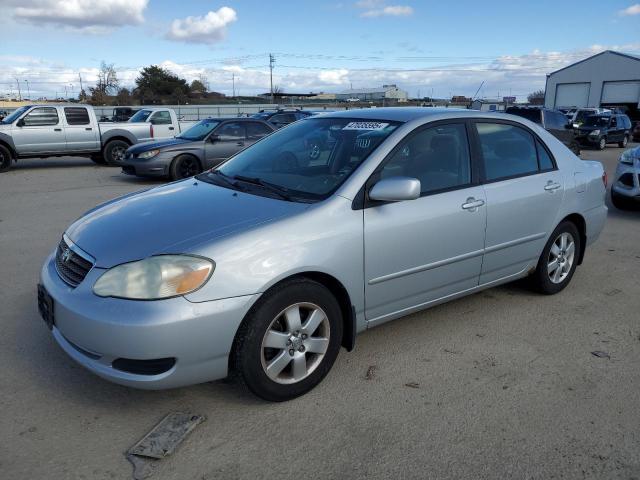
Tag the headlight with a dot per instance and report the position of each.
(149, 154)
(153, 278)
(595, 133)
(628, 156)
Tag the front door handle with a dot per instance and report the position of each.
(57, 129)
(472, 204)
(88, 129)
(171, 128)
(551, 186)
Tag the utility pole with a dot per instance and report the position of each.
(272, 60)
(80, 78)
(233, 80)
(28, 89)
(19, 92)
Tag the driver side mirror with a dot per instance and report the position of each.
(395, 189)
(214, 138)
(20, 123)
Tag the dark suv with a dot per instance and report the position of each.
(598, 130)
(554, 121)
(279, 118)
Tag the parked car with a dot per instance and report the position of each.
(281, 117)
(635, 134)
(205, 145)
(270, 263)
(598, 130)
(625, 189)
(120, 114)
(553, 121)
(40, 131)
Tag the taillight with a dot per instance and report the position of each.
(604, 179)
(151, 130)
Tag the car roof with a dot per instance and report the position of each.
(405, 114)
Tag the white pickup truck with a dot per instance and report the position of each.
(39, 131)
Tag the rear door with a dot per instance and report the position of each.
(228, 139)
(422, 250)
(42, 132)
(523, 190)
(80, 134)
(162, 124)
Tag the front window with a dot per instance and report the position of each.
(596, 121)
(199, 131)
(308, 160)
(14, 115)
(141, 116)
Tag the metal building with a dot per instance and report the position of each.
(608, 79)
(387, 92)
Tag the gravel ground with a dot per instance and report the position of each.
(501, 384)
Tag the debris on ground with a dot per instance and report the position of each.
(160, 442)
(370, 372)
(600, 354)
(613, 292)
(412, 385)
(454, 352)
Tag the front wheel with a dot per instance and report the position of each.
(624, 142)
(184, 166)
(289, 341)
(5, 159)
(558, 260)
(114, 152)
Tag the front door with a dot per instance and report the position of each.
(228, 139)
(423, 250)
(523, 191)
(162, 125)
(42, 132)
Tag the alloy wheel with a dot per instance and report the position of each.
(295, 343)
(561, 257)
(117, 153)
(188, 168)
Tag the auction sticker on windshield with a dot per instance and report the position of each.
(365, 126)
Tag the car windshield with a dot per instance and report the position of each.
(582, 115)
(200, 130)
(14, 115)
(308, 160)
(596, 121)
(141, 116)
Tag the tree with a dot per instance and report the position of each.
(124, 97)
(82, 96)
(277, 89)
(106, 85)
(536, 98)
(156, 84)
(198, 89)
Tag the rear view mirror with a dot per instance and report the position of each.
(395, 189)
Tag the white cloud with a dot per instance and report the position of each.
(85, 15)
(389, 11)
(334, 77)
(210, 28)
(631, 10)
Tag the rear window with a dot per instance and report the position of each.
(508, 151)
(76, 116)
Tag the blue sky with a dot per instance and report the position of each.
(445, 47)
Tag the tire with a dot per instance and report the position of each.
(624, 142)
(114, 152)
(549, 281)
(621, 202)
(184, 166)
(602, 143)
(98, 159)
(5, 159)
(297, 361)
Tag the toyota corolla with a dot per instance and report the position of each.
(267, 265)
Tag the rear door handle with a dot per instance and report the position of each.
(551, 186)
(171, 128)
(89, 129)
(472, 204)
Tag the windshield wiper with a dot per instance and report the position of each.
(224, 178)
(266, 185)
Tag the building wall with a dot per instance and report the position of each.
(605, 67)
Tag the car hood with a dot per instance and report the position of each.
(5, 126)
(164, 144)
(173, 218)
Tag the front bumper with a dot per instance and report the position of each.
(627, 180)
(157, 166)
(97, 331)
(588, 140)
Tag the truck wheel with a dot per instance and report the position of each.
(5, 159)
(624, 142)
(184, 166)
(99, 159)
(114, 151)
(602, 143)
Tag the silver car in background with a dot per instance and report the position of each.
(269, 264)
(625, 188)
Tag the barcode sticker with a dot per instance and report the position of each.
(365, 126)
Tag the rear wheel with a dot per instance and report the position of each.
(5, 159)
(558, 260)
(114, 152)
(602, 143)
(624, 142)
(289, 341)
(184, 166)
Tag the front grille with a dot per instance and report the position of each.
(626, 179)
(71, 267)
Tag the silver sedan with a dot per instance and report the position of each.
(269, 264)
